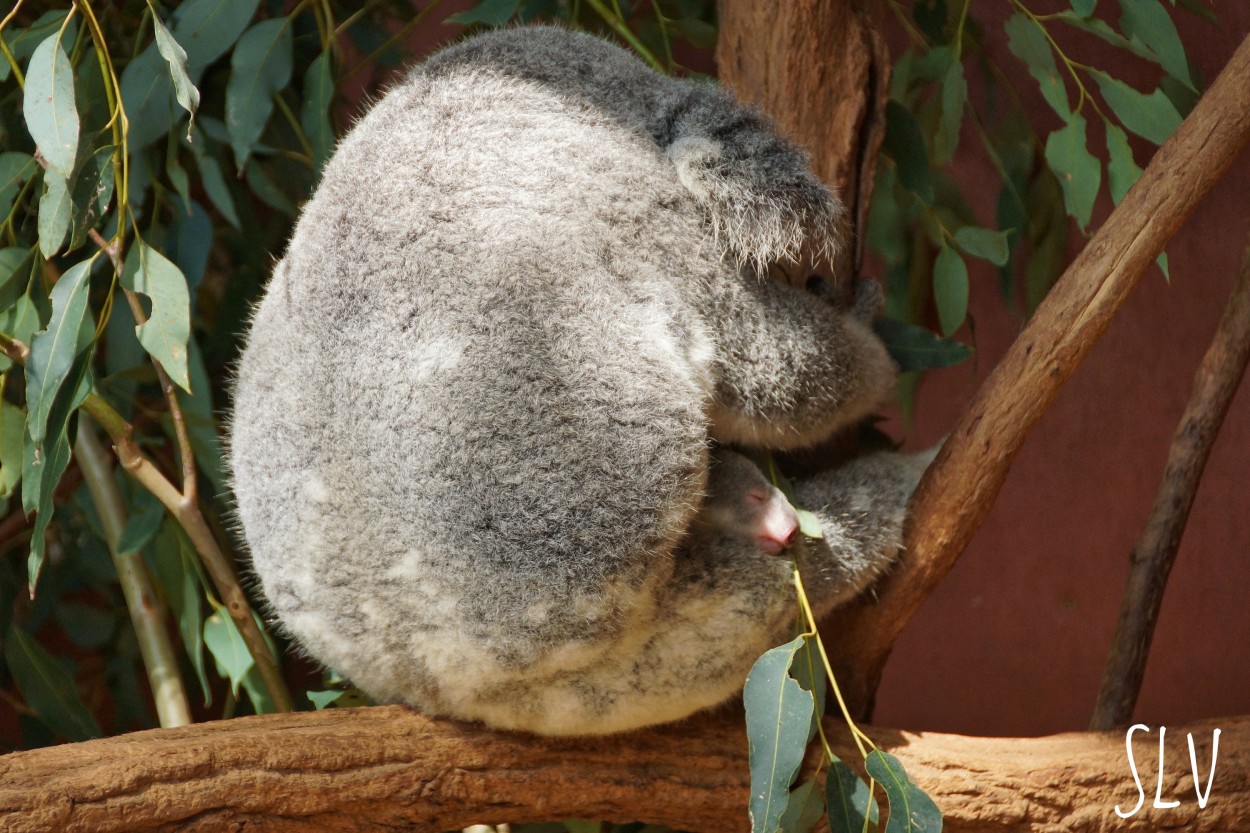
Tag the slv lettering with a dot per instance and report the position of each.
(1159, 803)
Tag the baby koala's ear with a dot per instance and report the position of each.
(764, 207)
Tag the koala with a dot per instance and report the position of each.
(741, 502)
(473, 415)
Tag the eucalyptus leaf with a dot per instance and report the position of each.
(950, 289)
(55, 210)
(315, 111)
(207, 28)
(1028, 42)
(48, 105)
(1151, 116)
(987, 244)
(1078, 172)
(20, 320)
(322, 699)
(1122, 170)
(179, 74)
(487, 12)
(12, 441)
(904, 143)
(47, 688)
(164, 335)
(1148, 21)
(804, 808)
(225, 643)
(52, 351)
(91, 195)
(954, 98)
(1084, 8)
(916, 348)
(911, 810)
(779, 714)
(849, 800)
(15, 168)
(260, 67)
(147, 94)
(215, 186)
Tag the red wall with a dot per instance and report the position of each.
(1014, 640)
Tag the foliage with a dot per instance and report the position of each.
(153, 162)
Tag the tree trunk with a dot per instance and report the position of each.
(389, 768)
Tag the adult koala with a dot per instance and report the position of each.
(472, 419)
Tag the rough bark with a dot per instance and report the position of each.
(1217, 379)
(821, 70)
(388, 768)
(959, 489)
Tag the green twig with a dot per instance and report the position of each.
(618, 26)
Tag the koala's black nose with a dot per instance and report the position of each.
(822, 287)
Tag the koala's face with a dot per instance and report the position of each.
(742, 503)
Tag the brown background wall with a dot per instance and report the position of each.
(1014, 641)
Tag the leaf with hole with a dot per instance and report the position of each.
(47, 688)
(779, 714)
(91, 194)
(1078, 172)
(164, 335)
(1151, 116)
(911, 810)
(48, 105)
(260, 67)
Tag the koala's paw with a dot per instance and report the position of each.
(762, 210)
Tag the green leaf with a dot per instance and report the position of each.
(809, 672)
(809, 524)
(1148, 22)
(954, 98)
(174, 567)
(916, 348)
(1084, 8)
(487, 12)
(950, 289)
(215, 186)
(12, 441)
(15, 263)
(229, 650)
(1100, 29)
(849, 800)
(314, 114)
(48, 105)
(1028, 42)
(911, 810)
(984, 243)
(24, 42)
(164, 335)
(207, 28)
(141, 527)
(20, 320)
(87, 627)
(1162, 260)
(779, 714)
(1122, 170)
(47, 687)
(176, 60)
(147, 95)
(268, 192)
(1150, 116)
(321, 699)
(15, 168)
(55, 208)
(260, 66)
(52, 351)
(91, 195)
(1078, 172)
(905, 145)
(42, 469)
(805, 807)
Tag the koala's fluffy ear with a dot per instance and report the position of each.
(764, 209)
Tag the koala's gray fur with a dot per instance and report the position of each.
(472, 419)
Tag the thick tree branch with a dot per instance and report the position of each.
(388, 768)
(1216, 381)
(959, 489)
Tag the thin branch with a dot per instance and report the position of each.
(146, 611)
(1215, 383)
(958, 490)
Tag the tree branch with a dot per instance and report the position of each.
(959, 488)
(388, 768)
(1216, 381)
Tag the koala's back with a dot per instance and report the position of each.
(471, 409)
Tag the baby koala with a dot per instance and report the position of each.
(742, 503)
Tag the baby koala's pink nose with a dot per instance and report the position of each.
(777, 529)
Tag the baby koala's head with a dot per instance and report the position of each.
(741, 503)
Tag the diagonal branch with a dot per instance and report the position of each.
(1216, 381)
(959, 489)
